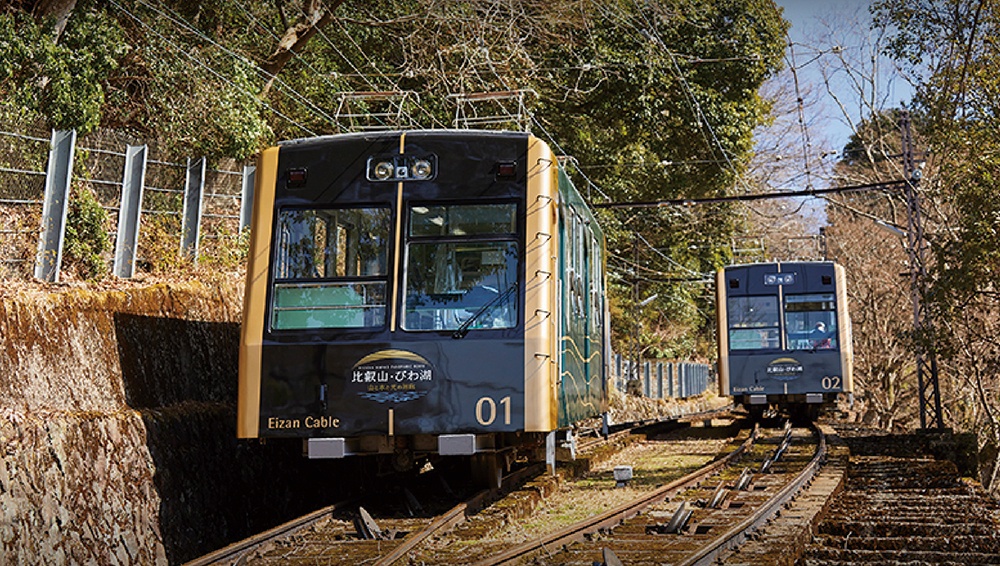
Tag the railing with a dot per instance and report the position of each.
(186, 202)
(663, 380)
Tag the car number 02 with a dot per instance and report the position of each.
(486, 410)
(831, 382)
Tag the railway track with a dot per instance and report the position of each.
(702, 519)
(341, 535)
(345, 533)
(342, 524)
(869, 507)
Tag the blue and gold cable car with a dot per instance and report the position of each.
(419, 294)
(784, 335)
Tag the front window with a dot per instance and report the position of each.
(461, 267)
(331, 268)
(753, 323)
(810, 321)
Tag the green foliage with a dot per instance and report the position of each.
(654, 100)
(86, 241)
(158, 245)
(63, 81)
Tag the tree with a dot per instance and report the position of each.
(652, 100)
(948, 46)
(315, 17)
(64, 80)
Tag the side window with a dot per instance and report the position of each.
(810, 321)
(753, 323)
(330, 268)
(577, 283)
(596, 292)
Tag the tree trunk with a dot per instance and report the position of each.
(295, 38)
(60, 10)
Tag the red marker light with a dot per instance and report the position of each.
(506, 170)
(296, 178)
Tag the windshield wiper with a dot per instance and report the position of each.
(464, 329)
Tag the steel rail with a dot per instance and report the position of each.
(732, 538)
(588, 443)
(442, 523)
(237, 549)
(456, 515)
(616, 516)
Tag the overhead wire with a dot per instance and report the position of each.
(537, 123)
(379, 73)
(665, 256)
(179, 20)
(651, 33)
(208, 68)
(254, 20)
(347, 60)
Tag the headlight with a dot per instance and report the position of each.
(384, 170)
(422, 169)
(402, 168)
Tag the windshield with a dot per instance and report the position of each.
(753, 323)
(331, 268)
(810, 321)
(461, 262)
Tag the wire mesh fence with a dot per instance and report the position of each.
(662, 380)
(24, 151)
(100, 165)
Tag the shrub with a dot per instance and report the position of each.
(86, 236)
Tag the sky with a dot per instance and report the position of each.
(826, 34)
(820, 24)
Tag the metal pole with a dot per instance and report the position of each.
(133, 182)
(58, 175)
(927, 381)
(634, 367)
(191, 220)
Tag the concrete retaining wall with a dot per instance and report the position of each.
(117, 429)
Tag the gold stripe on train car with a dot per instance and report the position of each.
(397, 245)
(722, 327)
(255, 297)
(541, 316)
(844, 328)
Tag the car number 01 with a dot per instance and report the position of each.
(831, 382)
(486, 410)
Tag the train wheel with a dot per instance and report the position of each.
(803, 413)
(487, 470)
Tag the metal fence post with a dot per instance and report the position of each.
(674, 387)
(682, 380)
(191, 220)
(133, 182)
(246, 201)
(646, 381)
(659, 380)
(58, 175)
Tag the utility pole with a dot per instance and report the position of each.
(634, 366)
(923, 326)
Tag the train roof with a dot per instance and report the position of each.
(765, 264)
(391, 134)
